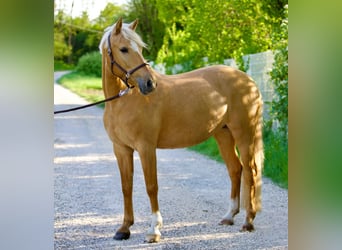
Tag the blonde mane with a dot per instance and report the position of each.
(127, 32)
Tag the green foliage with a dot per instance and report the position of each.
(276, 157)
(178, 31)
(60, 65)
(216, 29)
(109, 15)
(62, 50)
(90, 64)
(279, 76)
(150, 28)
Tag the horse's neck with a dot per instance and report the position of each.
(157, 75)
(111, 86)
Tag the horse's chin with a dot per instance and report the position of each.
(145, 92)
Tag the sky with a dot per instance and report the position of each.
(93, 7)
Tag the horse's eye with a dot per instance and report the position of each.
(124, 50)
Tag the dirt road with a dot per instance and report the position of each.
(193, 194)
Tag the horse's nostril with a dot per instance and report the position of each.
(149, 83)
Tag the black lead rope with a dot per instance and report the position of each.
(121, 93)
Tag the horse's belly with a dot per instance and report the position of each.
(182, 139)
(188, 127)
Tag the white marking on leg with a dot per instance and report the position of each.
(233, 209)
(153, 234)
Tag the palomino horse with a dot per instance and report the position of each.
(161, 111)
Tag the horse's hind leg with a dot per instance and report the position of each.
(124, 157)
(251, 154)
(226, 145)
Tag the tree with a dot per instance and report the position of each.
(108, 16)
(81, 29)
(150, 27)
(279, 76)
(61, 48)
(176, 47)
(217, 29)
(77, 36)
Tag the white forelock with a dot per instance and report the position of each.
(126, 32)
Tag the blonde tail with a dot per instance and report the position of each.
(256, 162)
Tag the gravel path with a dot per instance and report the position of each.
(193, 194)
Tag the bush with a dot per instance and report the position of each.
(90, 64)
(279, 76)
(276, 157)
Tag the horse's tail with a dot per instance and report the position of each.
(256, 152)
(258, 159)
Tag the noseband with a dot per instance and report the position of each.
(127, 73)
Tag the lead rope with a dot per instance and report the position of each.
(121, 93)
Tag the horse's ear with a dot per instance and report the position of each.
(118, 26)
(134, 24)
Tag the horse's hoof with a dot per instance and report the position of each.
(152, 238)
(247, 227)
(121, 235)
(226, 222)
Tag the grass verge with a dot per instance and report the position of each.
(89, 87)
(276, 158)
(276, 148)
(60, 66)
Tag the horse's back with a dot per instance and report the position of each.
(222, 78)
(235, 85)
(198, 103)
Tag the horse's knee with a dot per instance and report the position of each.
(127, 189)
(152, 189)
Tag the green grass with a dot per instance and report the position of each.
(208, 148)
(276, 158)
(60, 66)
(276, 154)
(89, 87)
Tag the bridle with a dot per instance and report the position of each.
(127, 73)
(121, 93)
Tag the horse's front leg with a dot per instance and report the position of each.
(149, 165)
(124, 157)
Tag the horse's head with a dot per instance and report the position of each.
(124, 48)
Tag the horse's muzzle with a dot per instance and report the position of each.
(146, 86)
